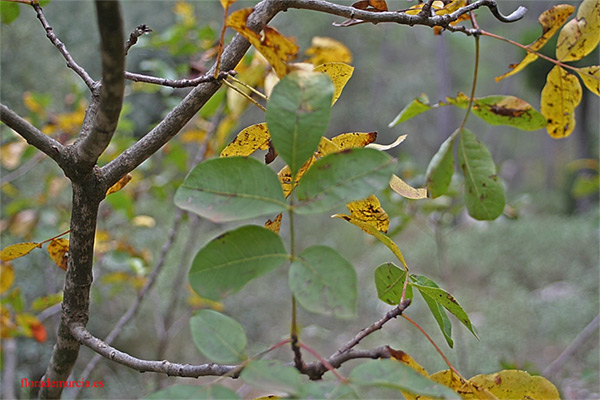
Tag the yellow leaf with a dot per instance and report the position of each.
(325, 50)
(121, 277)
(11, 153)
(7, 326)
(7, 276)
(369, 211)
(580, 35)
(354, 139)
(32, 104)
(58, 249)
(405, 190)
(17, 250)
(119, 185)
(144, 221)
(227, 3)
(276, 48)
(249, 140)
(515, 384)
(591, 78)
(551, 21)
(196, 301)
(339, 73)
(185, 11)
(193, 136)
(326, 146)
(285, 176)
(560, 96)
(404, 358)
(275, 224)
(384, 147)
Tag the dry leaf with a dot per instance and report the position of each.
(369, 210)
(119, 185)
(58, 249)
(249, 140)
(275, 224)
(405, 190)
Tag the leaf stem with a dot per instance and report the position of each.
(475, 74)
(323, 361)
(55, 237)
(256, 103)
(244, 84)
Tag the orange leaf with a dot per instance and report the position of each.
(58, 250)
(119, 185)
(17, 250)
(39, 332)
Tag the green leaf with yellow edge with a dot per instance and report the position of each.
(17, 250)
(7, 276)
(436, 308)
(231, 189)
(324, 50)
(407, 191)
(441, 168)
(516, 384)
(508, 110)
(324, 282)
(58, 249)
(580, 36)
(231, 260)
(250, 139)
(370, 211)
(392, 374)
(484, 193)
(218, 336)
(591, 78)
(342, 177)
(339, 73)
(428, 288)
(371, 230)
(418, 106)
(275, 47)
(551, 21)
(560, 96)
(389, 281)
(297, 115)
(194, 392)
(354, 139)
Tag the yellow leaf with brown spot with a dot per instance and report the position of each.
(339, 73)
(551, 21)
(580, 36)
(285, 176)
(275, 224)
(405, 190)
(325, 50)
(591, 78)
(354, 139)
(119, 185)
(17, 250)
(7, 276)
(369, 210)
(326, 146)
(249, 140)
(58, 249)
(275, 47)
(406, 359)
(560, 96)
(515, 384)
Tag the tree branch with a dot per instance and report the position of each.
(90, 145)
(135, 34)
(316, 369)
(179, 83)
(33, 135)
(91, 84)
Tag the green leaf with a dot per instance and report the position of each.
(298, 114)
(417, 106)
(227, 263)
(428, 288)
(324, 282)
(484, 193)
(273, 375)
(191, 392)
(441, 168)
(395, 375)
(389, 281)
(436, 308)
(8, 12)
(342, 177)
(218, 337)
(231, 189)
(508, 110)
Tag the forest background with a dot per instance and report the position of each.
(529, 280)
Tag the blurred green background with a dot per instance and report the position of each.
(529, 280)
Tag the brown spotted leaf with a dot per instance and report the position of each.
(515, 384)
(275, 224)
(354, 139)
(17, 250)
(58, 249)
(369, 210)
(580, 36)
(560, 96)
(591, 78)
(249, 140)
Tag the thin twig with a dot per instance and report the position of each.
(324, 362)
(177, 83)
(251, 88)
(393, 313)
(151, 280)
(244, 94)
(135, 34)
(90, 83)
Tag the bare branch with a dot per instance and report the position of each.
(164, 367)
(393, 313)
(179, 83)
(33, 135)
(91, 84)
(135, 34)
(316, 369)
(90, 146)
